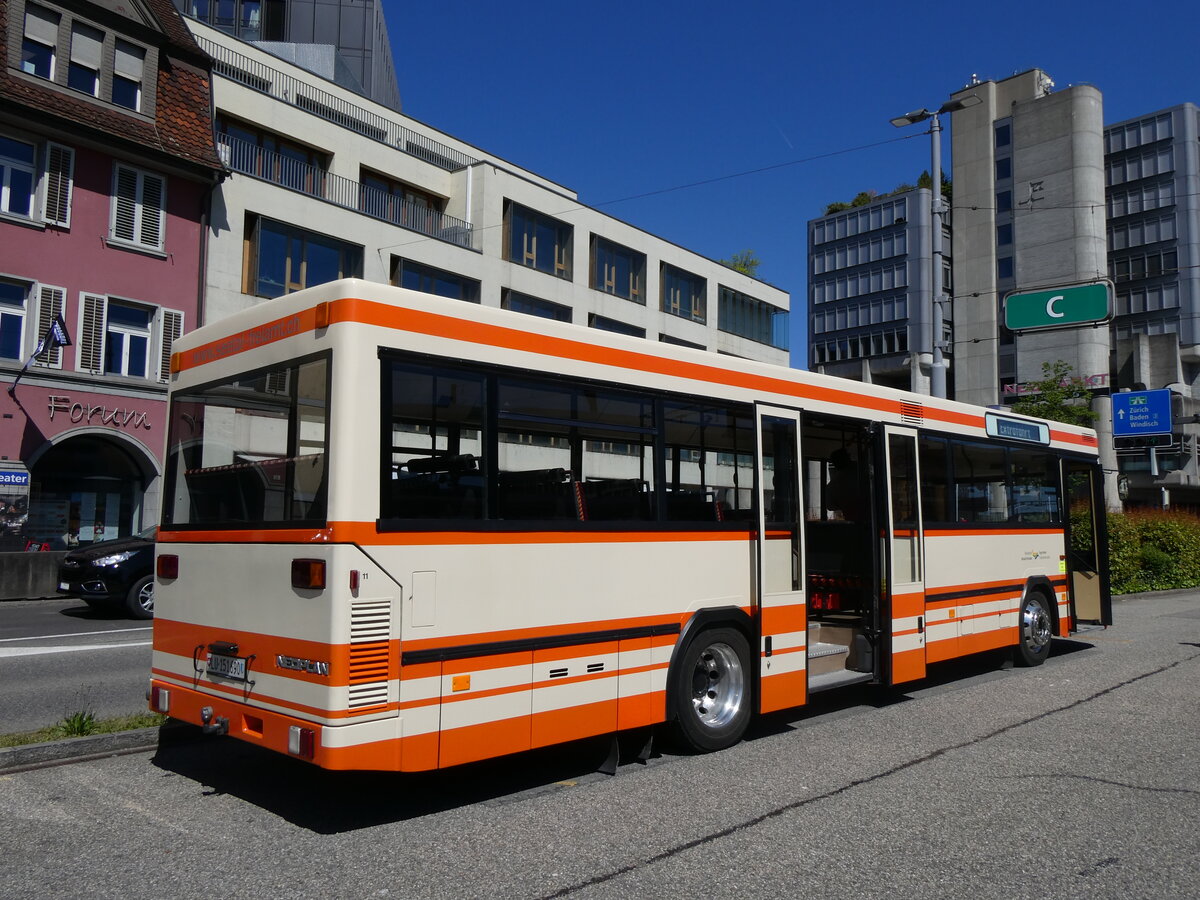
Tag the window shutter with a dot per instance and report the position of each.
(91, 333)
(125, 198)
(60, 175)
(153, 212)
(50, 304)
(170, 328)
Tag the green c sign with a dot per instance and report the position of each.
(1053, 309)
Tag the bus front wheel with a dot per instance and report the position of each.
(1037, 628)
(711, 690)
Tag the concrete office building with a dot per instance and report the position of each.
(345, 41)
(1152, 167)
(327, 184)
(870, 291)
(1029, 214)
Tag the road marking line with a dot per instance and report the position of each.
(9, 652)
(46, 637)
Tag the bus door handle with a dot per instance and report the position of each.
(920, 624)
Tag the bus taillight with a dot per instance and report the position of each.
(160, 700)
(301, 742)
(168, 566)
(308, 574)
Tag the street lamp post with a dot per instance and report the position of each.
(937, 372)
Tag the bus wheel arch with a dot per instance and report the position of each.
(1037, 623)
(710, 682)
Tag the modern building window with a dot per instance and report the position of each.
(283, 258)
(618, 270)
(40, 40)
(747, 317)
(1004, 267)
(534, 306)
(1003, 135)
(684, 294)
(139, 208)
(14, 300)
(1003, 201)
(1004, 168)
(272, 157)
(87, 46)
(536, 240)
(128, 64)
(418, 277)
(606, 324)
(1004, 234)
(679, 342)
(18, 177)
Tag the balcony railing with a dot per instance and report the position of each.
(301, 94)
(285, 171)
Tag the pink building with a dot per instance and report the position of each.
(106, 164)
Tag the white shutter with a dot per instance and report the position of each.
(170, 328)
(91, 333)
(59, 178)
(41, 25)
(153, 211)
(125, 204)
(86, 45)
(128, 60)
(50, 304)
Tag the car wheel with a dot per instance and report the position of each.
(712, 690)
(140, 600)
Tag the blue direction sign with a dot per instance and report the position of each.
(1140, 413)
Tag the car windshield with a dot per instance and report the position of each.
(250, 452)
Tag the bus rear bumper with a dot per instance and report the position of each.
(327, 746)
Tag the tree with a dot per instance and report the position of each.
(744, 261)
(1060, 396)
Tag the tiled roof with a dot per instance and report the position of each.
(182, 126)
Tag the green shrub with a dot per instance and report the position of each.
(1153, 551)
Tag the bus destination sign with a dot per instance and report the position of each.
(1016, 429)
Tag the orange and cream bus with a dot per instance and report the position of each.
(402, 532)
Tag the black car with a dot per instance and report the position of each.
(117, 573)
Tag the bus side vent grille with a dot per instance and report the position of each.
(370, 630)
(558, 673)
(595, 667)
(912, 413)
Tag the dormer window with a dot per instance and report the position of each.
(87, 45)
(40, 41)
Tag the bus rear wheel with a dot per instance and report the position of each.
(711, 690)
(1037, 628)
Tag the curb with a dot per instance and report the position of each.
(97, 746)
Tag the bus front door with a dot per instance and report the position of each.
(783, 621)
(904, 547)
(1091, 599)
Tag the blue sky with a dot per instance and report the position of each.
(616, 100)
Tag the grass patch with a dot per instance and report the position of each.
(82, 723)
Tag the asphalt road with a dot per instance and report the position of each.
(59, 657)
(1080, 778)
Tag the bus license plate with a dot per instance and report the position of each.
(227, 666)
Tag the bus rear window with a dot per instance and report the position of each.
(250, 452)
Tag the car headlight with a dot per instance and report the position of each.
(113, 558)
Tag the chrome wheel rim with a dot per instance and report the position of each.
(1035, 626)
(146, 598)
(718, 686)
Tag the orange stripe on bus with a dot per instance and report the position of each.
(989, 532)
(237, 691)
(366, 534)
(782, 691)
(905, 606)
(784, 619)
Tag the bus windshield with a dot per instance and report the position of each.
(250, 452)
